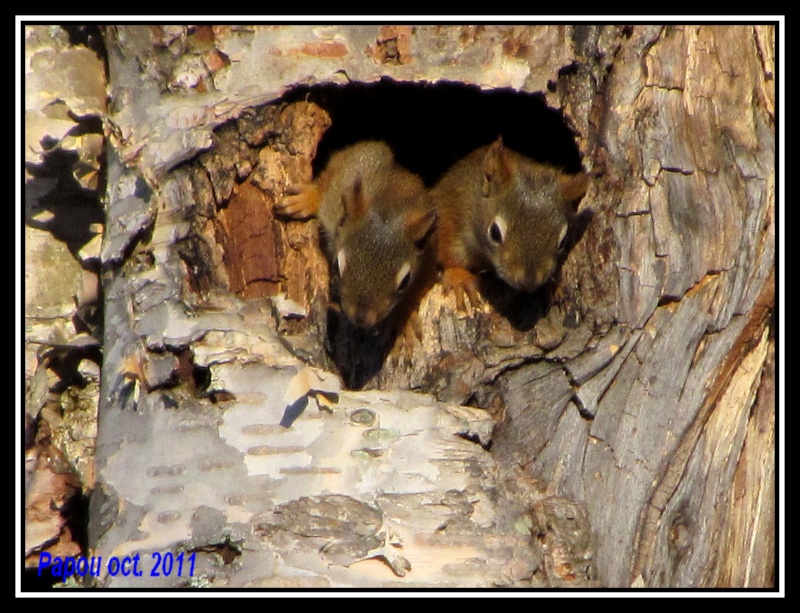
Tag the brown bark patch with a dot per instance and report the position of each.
(245, 231)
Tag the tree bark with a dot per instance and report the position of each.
(630, 403)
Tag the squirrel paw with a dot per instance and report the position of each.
(464, 285)
(298, 202)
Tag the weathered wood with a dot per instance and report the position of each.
(623, 391)
(746, 559)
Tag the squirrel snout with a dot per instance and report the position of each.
(365, 319)
(362, 315)
(527, 279)
(524, 284)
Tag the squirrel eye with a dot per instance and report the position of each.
(497, 231)
(404, 277)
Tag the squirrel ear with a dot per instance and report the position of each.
(354, 201)
(496, 166)
(419, 224)
(573, 187)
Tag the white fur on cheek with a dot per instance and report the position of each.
(404, 270)
(341, 261)
(562, 235)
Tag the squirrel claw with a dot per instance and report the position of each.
(464, 285)
(298, 203)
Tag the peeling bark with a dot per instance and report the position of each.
(619, 424)
(64, 98)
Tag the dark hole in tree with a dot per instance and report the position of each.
(201, 377)
(431, 126)
(88, 35)
(227, 550)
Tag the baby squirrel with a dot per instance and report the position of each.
(376, 219)
(501, 210)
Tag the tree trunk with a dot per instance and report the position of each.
(615, 428)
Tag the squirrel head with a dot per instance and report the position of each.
(524, 215)
(378, 257)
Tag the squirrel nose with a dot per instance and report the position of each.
(526, 280)
(364, 317)
(520, 279)
(527, 285)
(529, 279)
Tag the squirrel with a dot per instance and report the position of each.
(376, 219)
(503, 211)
